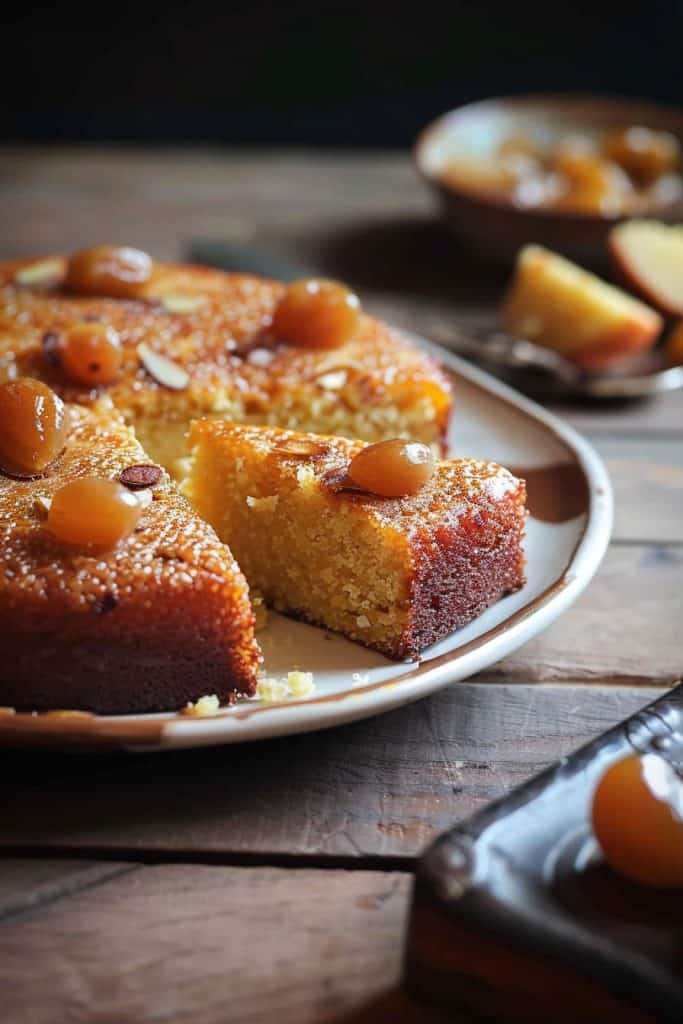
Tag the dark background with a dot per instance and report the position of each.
(316, 73)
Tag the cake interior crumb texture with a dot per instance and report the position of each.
(395, 574)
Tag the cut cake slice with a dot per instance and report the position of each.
(158, 621)
(395, 574)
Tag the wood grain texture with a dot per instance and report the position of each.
(623, 629)
(375, 789)
(647, 477)
(198, 945)
(28, 884)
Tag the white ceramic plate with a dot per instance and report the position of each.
(567, 534)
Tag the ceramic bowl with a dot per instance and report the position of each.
(495, 227)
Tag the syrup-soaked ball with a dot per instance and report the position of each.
(33, 426)
(93, 513)
(392, 469)
(593, 184)
(91, 354)
(638, 820)
(643, 153)
(316, 314)
(119, 272)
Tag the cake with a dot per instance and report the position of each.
(117, 595)
(159, 619)
(225, 360)
(393, 573)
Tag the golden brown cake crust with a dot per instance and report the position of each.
(459, 539)
(161, 619)
(235, 368)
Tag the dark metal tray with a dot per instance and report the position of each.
(516, 917)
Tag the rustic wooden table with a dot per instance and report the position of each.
(273, 880)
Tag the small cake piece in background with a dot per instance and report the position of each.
(648, 257)
(555, 303)
(309, 521)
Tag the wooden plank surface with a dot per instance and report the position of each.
(647, 477)
(375, 789)
(198, 945)
(621, 630)
(29, 884)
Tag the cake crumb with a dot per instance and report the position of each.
(268, 504)
(363, 622)
(305, 476)
(301, 683)
(296, 684)
(206, 705)
(271, 690)
(260, 610)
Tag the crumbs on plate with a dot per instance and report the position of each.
(296, 684)
(209, 704)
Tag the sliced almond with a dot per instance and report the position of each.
(183, 303)
(42, 504)
(334, 380)
(39, 273)
(261, 356)
(300, 448)
(165, 371)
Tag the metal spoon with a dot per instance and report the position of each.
(548, 371)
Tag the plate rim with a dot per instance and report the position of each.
(158, 732)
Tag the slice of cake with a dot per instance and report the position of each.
(393, 573)
(175, 343)
(146, 623)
